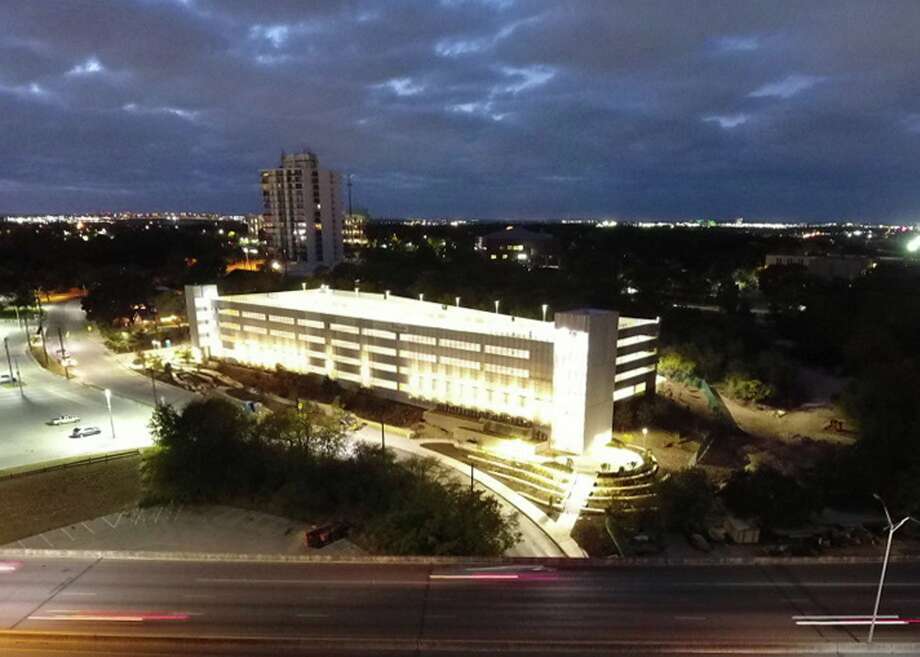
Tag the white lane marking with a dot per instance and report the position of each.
(118, 519)
(108, 522)
(87, 528)
(157, 518)
(86, 593)
(139, 516)
(843, 616)
(67, 534)
(45, 539)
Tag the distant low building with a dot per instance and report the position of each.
(826, 266)
(520, 245)
(354, 232)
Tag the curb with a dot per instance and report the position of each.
(26, 637)
(556, 562)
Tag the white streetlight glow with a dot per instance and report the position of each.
(496, 306)
(544, 308)
(457, 301)
(913, 246)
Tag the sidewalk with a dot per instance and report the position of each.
(559, 544)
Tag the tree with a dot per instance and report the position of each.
(748, 388)
(776, 499)
(675, 365)
(684, 500)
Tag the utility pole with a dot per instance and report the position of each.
(383, 438)
(108, 402)
(9, 361)
(42, 331)
(19, 378)
(63, 353)
(349, 193)
(153, 382)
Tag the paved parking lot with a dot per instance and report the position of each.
(25, 436)
(179, 528)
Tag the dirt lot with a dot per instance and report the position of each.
(32, 504)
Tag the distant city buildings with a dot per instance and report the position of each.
(302, 213)
(354, 234)
(561, 375)
(827, 266)
(520, 245)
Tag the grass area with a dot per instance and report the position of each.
(53, 365)
(35, 503)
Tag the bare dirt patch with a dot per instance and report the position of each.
(34, 503)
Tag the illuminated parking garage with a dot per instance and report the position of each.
(563, 376)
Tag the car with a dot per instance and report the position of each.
(69, 361)
(82, 432)
(6, 378)
(64, 419)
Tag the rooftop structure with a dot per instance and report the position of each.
(561, 376)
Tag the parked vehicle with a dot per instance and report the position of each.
(64, 419)
(6, 378)
(83, 432)
(325, 534)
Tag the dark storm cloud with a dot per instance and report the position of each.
(477, 107)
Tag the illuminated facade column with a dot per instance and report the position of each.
(584, 360)
(202, 319)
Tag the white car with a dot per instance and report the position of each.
(82, 432)
(64, 419)
(6, 378)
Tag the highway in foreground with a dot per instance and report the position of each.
(337, 609)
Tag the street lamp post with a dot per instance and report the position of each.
(496, 306)
(153, 382)
(892, 528)
(544, 308)
(383, 438)
(19, 378)
(108, 402)
(9, 361)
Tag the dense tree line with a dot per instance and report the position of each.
(295, 462)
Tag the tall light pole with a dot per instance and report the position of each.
(496, 306)
(108, 402)
(9, 361)
(383, 438)
(457, 301)
(544, 308)
(892, 528)
(153, 382)
(19, 377)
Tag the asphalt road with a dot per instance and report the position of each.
(336, 609)
(96, 365)
(25, 436)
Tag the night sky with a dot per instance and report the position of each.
(527, 110)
